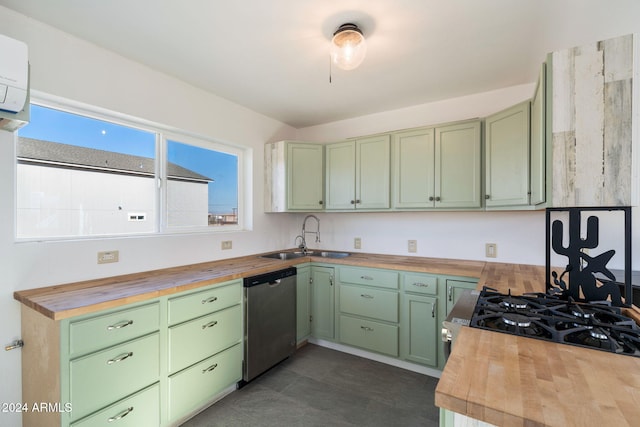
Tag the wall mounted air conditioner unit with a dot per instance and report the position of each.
(14, 83)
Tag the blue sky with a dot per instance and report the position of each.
(52, 125)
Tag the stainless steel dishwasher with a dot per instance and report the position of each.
(270, 321)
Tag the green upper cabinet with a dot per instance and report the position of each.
(414, 168)
(438, 167)
(507, 157)
(458, 167)
(294, 176)
(358, 174)
(538, 147)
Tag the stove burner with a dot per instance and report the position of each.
(517, 303)
(589, 325)
(514, 319)
(598, 334)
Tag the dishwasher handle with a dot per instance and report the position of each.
(275, 283)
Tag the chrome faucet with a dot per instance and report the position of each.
(303, 239)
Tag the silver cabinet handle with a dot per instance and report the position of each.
(431, 198)
(210, 368)
(486, 196)
(366, 296)
(14, 345)
(120, 358)
(366, 328)
(366, 277)
(450, 293)
(120, 325)
(121, 415)
(210, 324)
(437, 198)
(420, 285)
(209, 300)
(433, 310)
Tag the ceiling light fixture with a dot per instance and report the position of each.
(348, 47)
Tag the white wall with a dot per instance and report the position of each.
(65, 66)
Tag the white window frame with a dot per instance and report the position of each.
(163, 134)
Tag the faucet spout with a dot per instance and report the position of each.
(305, 232)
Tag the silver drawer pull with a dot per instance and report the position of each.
(366, 277)
(120, 358)
(420, 285)
(209, 300)
(210, 324)
(366, 328)
(121, 415)
(366, 296)
(210, 368)
(120, 325)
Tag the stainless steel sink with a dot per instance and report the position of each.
(332, 254)
(297, 254)
(286, 255)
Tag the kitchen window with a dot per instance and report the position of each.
(85, 173)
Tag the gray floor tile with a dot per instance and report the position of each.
(321, 387)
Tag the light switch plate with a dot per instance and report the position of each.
(226, 244)
(490, 250)
(357, 243)
(412, 246)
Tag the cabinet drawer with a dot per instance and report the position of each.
(368, 276)
(369, 302)
(420, 283)
(204, 302)
(192, 341)
(104, 331)
(104, 377)
(194, 387)
(141, 409)
(370, 335)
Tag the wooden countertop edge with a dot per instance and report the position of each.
(134, 287)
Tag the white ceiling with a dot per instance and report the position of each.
(272, 55)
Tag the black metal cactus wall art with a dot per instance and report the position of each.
(581, 267)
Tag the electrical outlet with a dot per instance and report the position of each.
(357, 243)
(226, 244)
(413, 246)
(108, 257)
(490, 250)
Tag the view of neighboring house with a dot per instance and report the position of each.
(69, 190)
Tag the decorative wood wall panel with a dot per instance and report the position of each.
(591, 124)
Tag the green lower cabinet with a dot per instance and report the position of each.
(195, 386)
(107, 376)
(322, 302)
(419, 340)
(370, 335)
(140, 409)
(303, 303)
(197, 339)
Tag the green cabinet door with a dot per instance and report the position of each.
(303, 303)
(538, 142)
(305, 176)
(413, 172)
(373, 172)
(358, 174)
(323, 302)
(458, 165)
(340, 175)
(507, 157)
(419, 339)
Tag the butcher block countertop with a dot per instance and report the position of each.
(73, 299)
(514, 381)
(498, 378)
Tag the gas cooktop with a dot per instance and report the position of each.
(591, 325)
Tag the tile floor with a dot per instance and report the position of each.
(321, 387)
